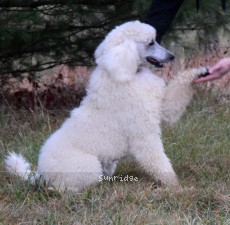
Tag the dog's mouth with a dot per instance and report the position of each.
(154, 62)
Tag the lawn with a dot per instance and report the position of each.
(198, 146)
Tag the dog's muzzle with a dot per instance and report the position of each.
(157, 63)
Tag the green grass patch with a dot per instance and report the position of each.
(198, 146)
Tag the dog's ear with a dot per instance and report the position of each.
(121, 61)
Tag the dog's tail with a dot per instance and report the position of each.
(16, 164)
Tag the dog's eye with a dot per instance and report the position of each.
(151, 43)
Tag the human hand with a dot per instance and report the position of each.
(217, 71)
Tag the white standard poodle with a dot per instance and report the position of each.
(120, 116)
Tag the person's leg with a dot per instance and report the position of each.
(161, 15)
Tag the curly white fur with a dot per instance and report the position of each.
(120, 116)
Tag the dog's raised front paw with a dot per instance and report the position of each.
(202, 72)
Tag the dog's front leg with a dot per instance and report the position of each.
(178, 94)
(149, 153)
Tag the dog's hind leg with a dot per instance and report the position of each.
(109, 167)
(150, 154)
(74, 173)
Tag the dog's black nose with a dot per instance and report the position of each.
(171, 57)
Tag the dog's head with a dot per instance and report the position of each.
(127, 47)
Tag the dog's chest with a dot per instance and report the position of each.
(148, 88)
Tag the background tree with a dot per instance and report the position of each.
(40, 34)
(207, 20)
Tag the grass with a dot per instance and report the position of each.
(199, 147)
